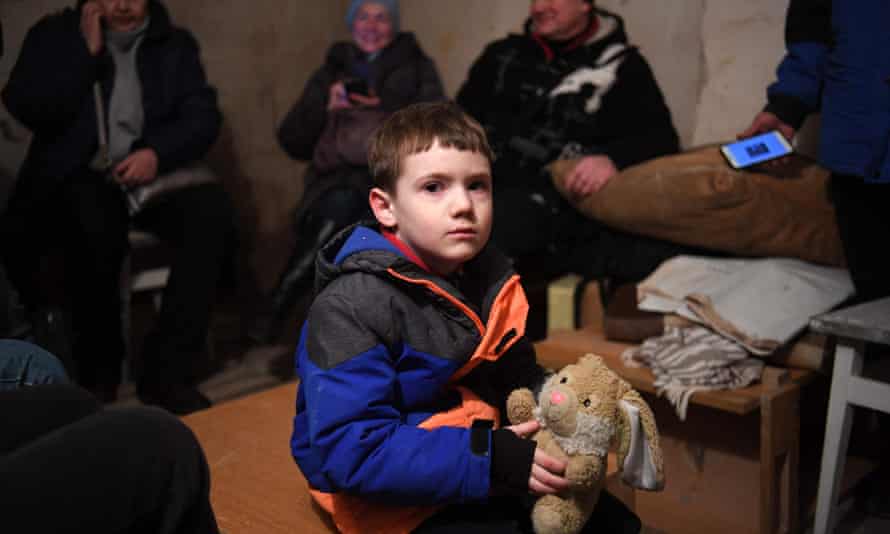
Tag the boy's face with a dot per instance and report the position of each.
(441, 206)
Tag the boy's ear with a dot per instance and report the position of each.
(381, 205)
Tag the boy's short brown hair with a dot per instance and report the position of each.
(415, 129)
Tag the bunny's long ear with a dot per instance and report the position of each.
(639, 450)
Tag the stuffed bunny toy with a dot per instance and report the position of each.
(585, 410)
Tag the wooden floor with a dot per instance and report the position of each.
(244, 369)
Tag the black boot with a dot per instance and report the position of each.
(297, 280)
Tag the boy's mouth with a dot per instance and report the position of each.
(462, 232)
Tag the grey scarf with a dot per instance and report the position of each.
(125, 113)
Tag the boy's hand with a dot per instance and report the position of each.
(547, 472)
(91, 26)
(547, 475)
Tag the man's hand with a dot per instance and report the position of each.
(767, 122)
(140, 167)
(91, 26)
(590, 175)
(547, 472)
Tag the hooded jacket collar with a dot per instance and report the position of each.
(611, 31)
(361, 248)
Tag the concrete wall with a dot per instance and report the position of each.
(259, 55)
(713, 59)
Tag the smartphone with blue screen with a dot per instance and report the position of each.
(755, 150)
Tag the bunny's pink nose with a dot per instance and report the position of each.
(557, 398)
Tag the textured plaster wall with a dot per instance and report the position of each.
(259, 55)
(743, 44)
(713, 59)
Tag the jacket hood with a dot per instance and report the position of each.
(362, 248)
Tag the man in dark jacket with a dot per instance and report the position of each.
(838, 62)
(161, 114)
(570, 87)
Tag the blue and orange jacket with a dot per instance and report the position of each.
(839, 61)
(395, 364)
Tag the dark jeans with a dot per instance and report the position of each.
(528, 222)
(26, 364)
(507, 515)
(863, 219)
(87, 219)
(69, 466)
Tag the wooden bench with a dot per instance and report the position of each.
(255, 485)
(774, 404)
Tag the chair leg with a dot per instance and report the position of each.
(126, 316)
(847, 363)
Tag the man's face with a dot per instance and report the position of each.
(559, 20)
(124, 15)
(372, 27)
(442, 206)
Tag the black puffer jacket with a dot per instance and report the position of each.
(537, 102)
(401, 75)
(50, 92)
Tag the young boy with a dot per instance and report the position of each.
(412, 346)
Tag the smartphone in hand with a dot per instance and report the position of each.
(755, 150)
(357, 86)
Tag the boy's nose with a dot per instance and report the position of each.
(461, 202)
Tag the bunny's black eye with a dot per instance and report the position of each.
(587, 403)
(564, 380)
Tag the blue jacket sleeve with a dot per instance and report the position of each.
(798, 90)
(358, 441)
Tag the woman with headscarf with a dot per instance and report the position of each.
(379, 71)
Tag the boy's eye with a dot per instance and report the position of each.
(481, 185)
(432, 187)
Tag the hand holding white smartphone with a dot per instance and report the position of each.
(754, 150)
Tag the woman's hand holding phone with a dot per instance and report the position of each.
(365, 101)
(91, 26)
(767, 122)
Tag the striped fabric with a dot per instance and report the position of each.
(686, 360)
